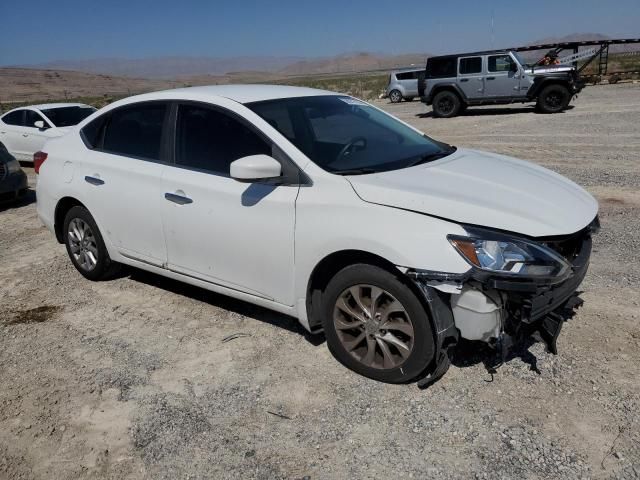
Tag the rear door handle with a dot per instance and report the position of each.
(93, 180)
(491, 78)
(25, 135)
(179, 199)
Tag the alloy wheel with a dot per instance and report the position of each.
(82, 244)
(373, 326)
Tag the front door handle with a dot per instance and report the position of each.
(25, 135)
(464, 80)
(93, 180)
(176, 198)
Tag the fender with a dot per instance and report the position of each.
(540, 82)
(443, 86)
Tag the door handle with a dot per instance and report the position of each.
(491, 78)
(179, 199)
(464, 80)
(93, 180)
(25, 135)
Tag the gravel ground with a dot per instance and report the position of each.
(130, 378)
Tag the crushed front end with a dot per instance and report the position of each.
(517, 288)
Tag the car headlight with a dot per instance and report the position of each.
(510, 256)
(13, 166)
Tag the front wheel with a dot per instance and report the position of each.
(375, 325)
(553, 99)
(395, 96)
(85, 245)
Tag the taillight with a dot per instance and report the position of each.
(38, 160)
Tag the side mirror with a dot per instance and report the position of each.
(39, 124)
(255, 168)
(514, 67)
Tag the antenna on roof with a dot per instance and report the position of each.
(492, 30)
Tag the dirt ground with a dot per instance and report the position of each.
(131, 378)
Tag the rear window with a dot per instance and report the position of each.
(68, 116)
(14, 118)
(441, 67)
(407, 75)
(132, 131)
(470, 65)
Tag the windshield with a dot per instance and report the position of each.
(68, 116)
(520, 59)
(346, 136)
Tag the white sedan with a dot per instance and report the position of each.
(23, 131)
(323, 207)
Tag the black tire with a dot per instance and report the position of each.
(553, 99)
(422, 344)
(395, 96)
(104, 268)
(446, 104)
(408, 99)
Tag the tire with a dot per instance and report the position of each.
(553, 99)
(446, 104)
(408, 99)
(395, 96)
(350, 340)
(85, 245)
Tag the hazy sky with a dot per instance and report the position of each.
(38, 31)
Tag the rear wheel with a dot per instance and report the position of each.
(395, 96)
(85, 245)
(553, 99)
(375, 325)
(446, 104)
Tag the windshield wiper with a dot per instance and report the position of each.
(433, 156)
(356, 171)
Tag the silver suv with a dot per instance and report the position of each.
(454, 82)
(403, 84)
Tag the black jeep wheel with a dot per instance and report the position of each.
(553, 99)
(446, 104)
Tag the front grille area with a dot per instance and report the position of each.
(3, 171)
(570, 246)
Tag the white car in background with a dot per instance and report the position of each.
(325, 208)
(24, 130)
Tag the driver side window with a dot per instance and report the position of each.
(501, 63)
(32, 117)
(208, 139)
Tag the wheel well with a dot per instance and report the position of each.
(447, 88)
(327, 269)
(64, 205)
(548, 83)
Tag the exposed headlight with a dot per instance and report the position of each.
(13, 166)
(510, 256)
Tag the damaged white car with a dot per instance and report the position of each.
(323, 207)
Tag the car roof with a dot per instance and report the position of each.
(44, 106)
(470, 54)
(246, 93)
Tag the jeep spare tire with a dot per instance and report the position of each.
(446, 104)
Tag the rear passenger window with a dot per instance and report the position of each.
(470, 65)
(136, 131)
(14, 118)
(405, 76)
(208, 139)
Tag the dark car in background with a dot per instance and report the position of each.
(13, 181)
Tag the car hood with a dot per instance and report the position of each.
(550, 69)
(484, 189)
